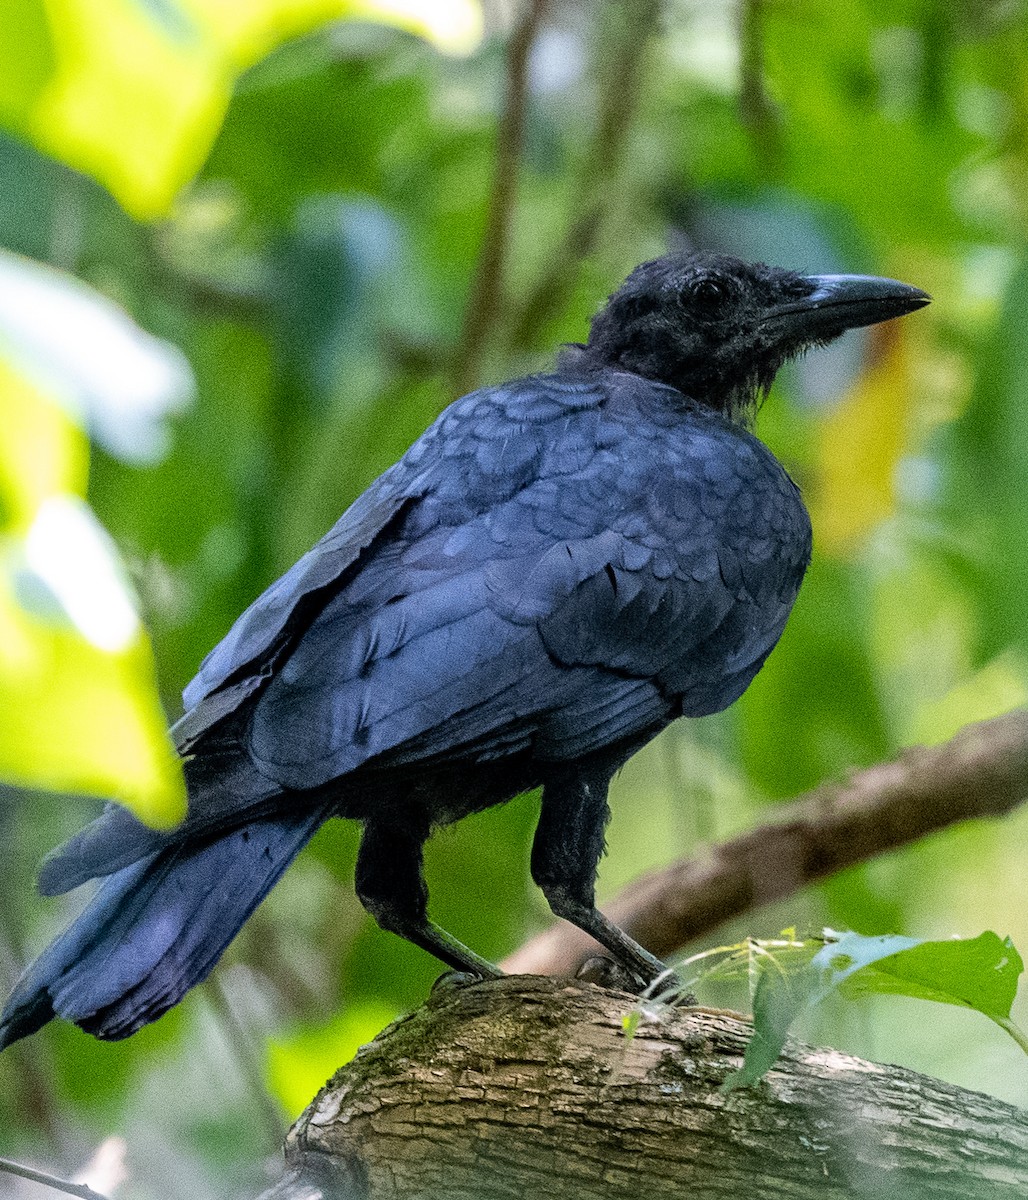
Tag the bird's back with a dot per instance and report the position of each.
(581, 557)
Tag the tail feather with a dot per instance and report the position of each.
(116, 839)
(222, 787)
(154, 930)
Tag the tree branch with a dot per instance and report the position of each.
(484, 301)
(529, 1087)
(51, 1181)
(600, 171)
(982, 772)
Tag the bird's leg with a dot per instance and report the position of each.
(565, 855)
(391, 886)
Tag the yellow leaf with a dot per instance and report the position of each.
(859, 444)
(134, 93)
(42, 451)
(130, 103)
(81, 719)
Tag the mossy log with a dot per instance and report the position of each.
(535, 1087)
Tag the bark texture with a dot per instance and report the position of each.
(530, 1087)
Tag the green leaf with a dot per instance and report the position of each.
(630, 1023)
(778, 999)
(979, 973)
(849, 953)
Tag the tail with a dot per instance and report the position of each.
(154, 930)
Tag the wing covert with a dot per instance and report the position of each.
(235, 668)
(557, 580)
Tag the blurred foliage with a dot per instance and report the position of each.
(133, 92)
(73, 655)
(301, 216)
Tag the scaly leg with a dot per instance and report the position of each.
(565, 855)
(391, 886)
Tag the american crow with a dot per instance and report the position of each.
(555, 570)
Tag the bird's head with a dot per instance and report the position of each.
(718, 329)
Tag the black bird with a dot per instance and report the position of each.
(555, 570)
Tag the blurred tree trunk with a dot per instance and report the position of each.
(532, 1087)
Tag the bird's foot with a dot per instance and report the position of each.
(607, 973)
(457, 979)
(665, 987)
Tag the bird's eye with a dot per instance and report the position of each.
(708, 293)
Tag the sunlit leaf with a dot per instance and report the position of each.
(298, 1066)
(79, 717)
(133, 93)
(42, 450)
(117, 381)
(77, 691)
(980, 973)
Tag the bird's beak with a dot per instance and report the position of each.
(841, 302)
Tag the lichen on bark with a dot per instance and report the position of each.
(534, 1087)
